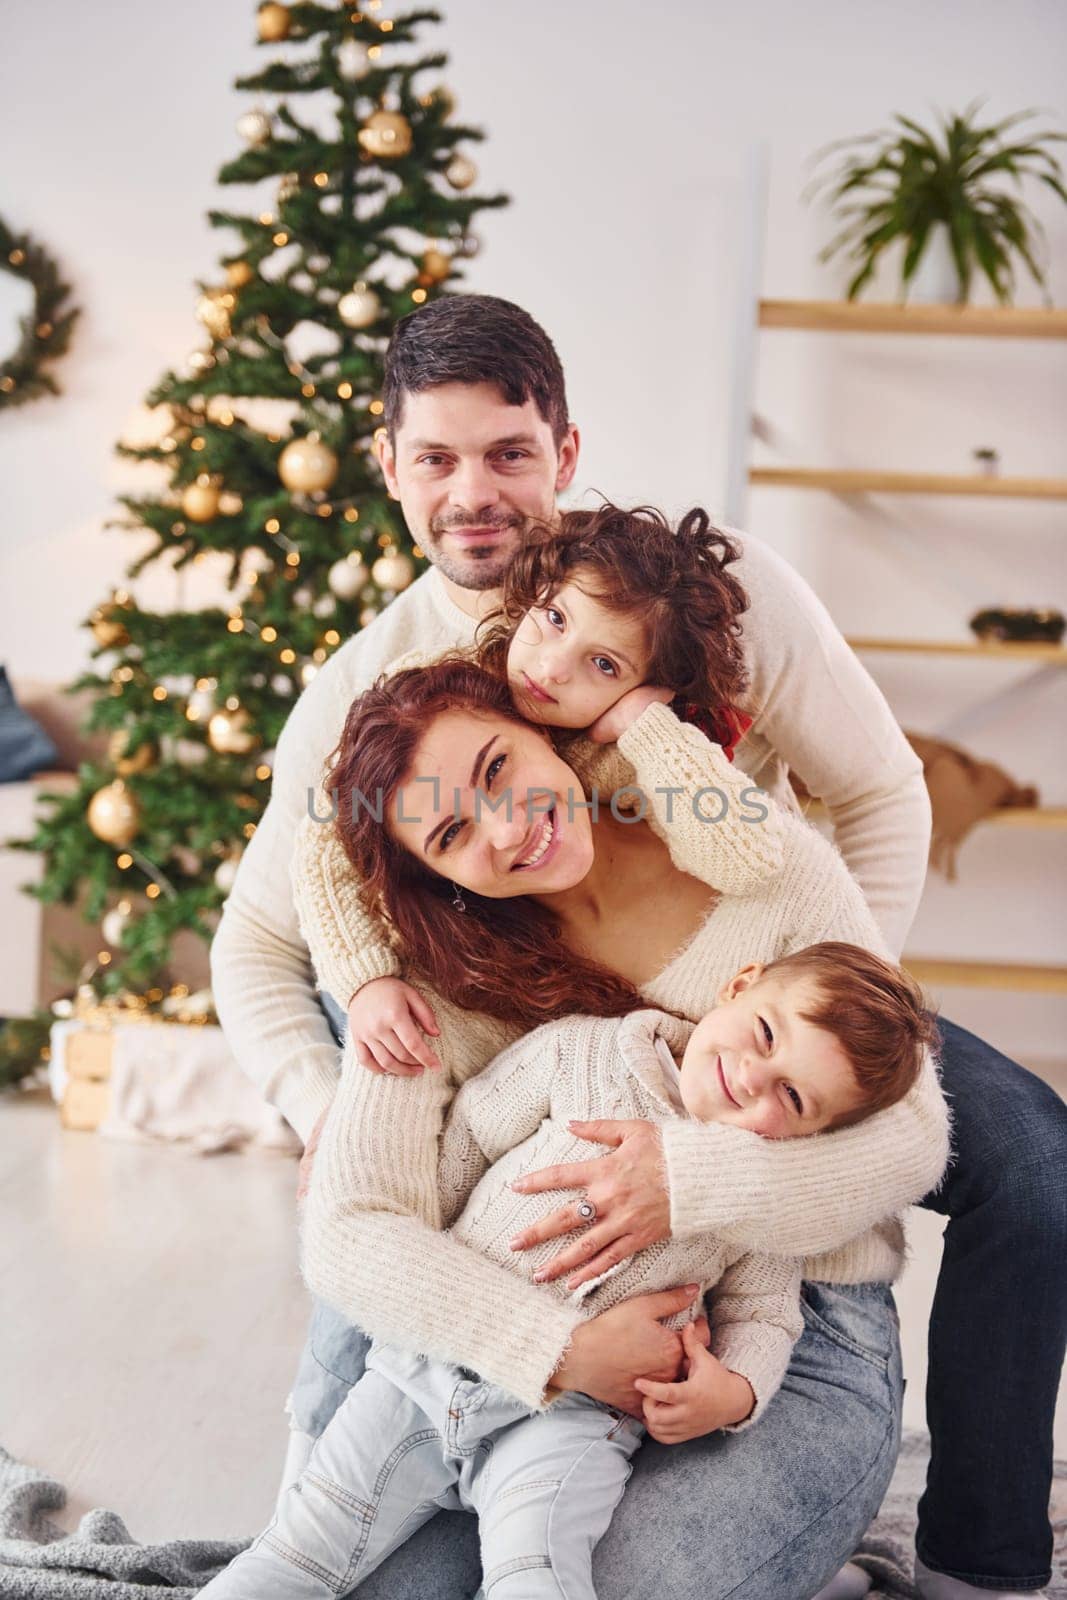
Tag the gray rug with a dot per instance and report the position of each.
(100, 1561)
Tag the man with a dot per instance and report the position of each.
(477, 444)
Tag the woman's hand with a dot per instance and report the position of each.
(609, 1353)
(626, 710)
(628, 1189)
(709, 1396)
(384, 1018)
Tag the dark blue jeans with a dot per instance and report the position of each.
(997, 1330)
(999, 1323)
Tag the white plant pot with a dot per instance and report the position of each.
(936, 281)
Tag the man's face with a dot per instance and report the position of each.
(471, 472)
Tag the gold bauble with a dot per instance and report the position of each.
(273, 23)
(200, 500)
(113, 814)
(108, 632)
(254, 127)
(393, 571)
(230, 504)
(461, 172)
(346, 577)
(307, 465)
(213, 310)
(230, 733)
(436, 265)
(386, 134)
(127, 761)
(238, 273)
(359, 307)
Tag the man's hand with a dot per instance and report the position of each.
(626, 710)
(384, 1018)
(709, 1396)
(628, 1188)
(607, 1354)
(303, 1176)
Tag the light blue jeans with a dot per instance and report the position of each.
(415, 1437)
(767, 1514)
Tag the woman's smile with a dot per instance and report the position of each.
(541, 844)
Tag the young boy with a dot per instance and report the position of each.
(816, 1040)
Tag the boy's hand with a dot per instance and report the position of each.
(626, 710)
(710, 1396)
(384, 1018)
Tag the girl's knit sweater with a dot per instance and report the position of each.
(371, 1240)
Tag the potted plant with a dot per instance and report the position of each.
(946, 196)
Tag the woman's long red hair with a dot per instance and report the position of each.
(506, 958)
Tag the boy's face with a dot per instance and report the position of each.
(573, 658)
(471, 473)
(755, 1063)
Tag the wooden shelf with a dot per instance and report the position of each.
(1030, 650)
(857, 316)
(987, 975)
(850, 481)
(1041, 817)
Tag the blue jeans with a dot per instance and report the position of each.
(415, 1436)
(766, 1514)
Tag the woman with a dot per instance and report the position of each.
(527, 911)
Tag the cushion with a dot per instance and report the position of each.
(25, 748)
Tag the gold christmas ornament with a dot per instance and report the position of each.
(461, 172)
(108, 631)
(200, 500)
(114, 925)
(113, 814)
(230, 733)
(273, 23)
(230, 504)
(307, 465)
(238, 273)
(436, 265)
(200, 704)
(386, 135)
(353, 61)
(126, 761)
(393, 571)
(359, 307)
(254, 127)
(346, 578)
(213, 310)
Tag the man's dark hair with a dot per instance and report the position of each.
(475, 338)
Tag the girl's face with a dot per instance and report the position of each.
(489, 804)
(574, 657)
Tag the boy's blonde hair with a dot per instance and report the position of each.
(875, 1011)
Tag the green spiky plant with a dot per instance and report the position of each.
(898, 183)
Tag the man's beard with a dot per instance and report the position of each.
(478, 568)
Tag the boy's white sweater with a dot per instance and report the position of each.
(816, 711)
(512, 1118)
(371, 1242)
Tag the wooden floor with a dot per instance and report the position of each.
(153, 1316)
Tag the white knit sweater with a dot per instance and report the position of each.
(512, 1118)
(370, 1242)
(816, 711)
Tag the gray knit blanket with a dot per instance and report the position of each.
(100, 1561)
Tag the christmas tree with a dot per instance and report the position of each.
(263, 456)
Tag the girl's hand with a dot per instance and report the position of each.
(384, 1018)
(626, 710)
(628, 1188)
(710, 1396)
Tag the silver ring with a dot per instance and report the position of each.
(586, 1210)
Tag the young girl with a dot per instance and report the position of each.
(608, 601)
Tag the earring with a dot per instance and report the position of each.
(457, 898)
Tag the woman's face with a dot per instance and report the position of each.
(573, 658)
(489, 804)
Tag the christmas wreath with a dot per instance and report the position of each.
(45, 333)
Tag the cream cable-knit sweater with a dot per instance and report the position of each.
(370, 1245)
(512, 1118)
(816, 711)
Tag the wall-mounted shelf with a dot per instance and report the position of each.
(857, 316)
(1021, 977)
(1027, 650)
(859, 481)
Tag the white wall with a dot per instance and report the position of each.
(622, 132)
